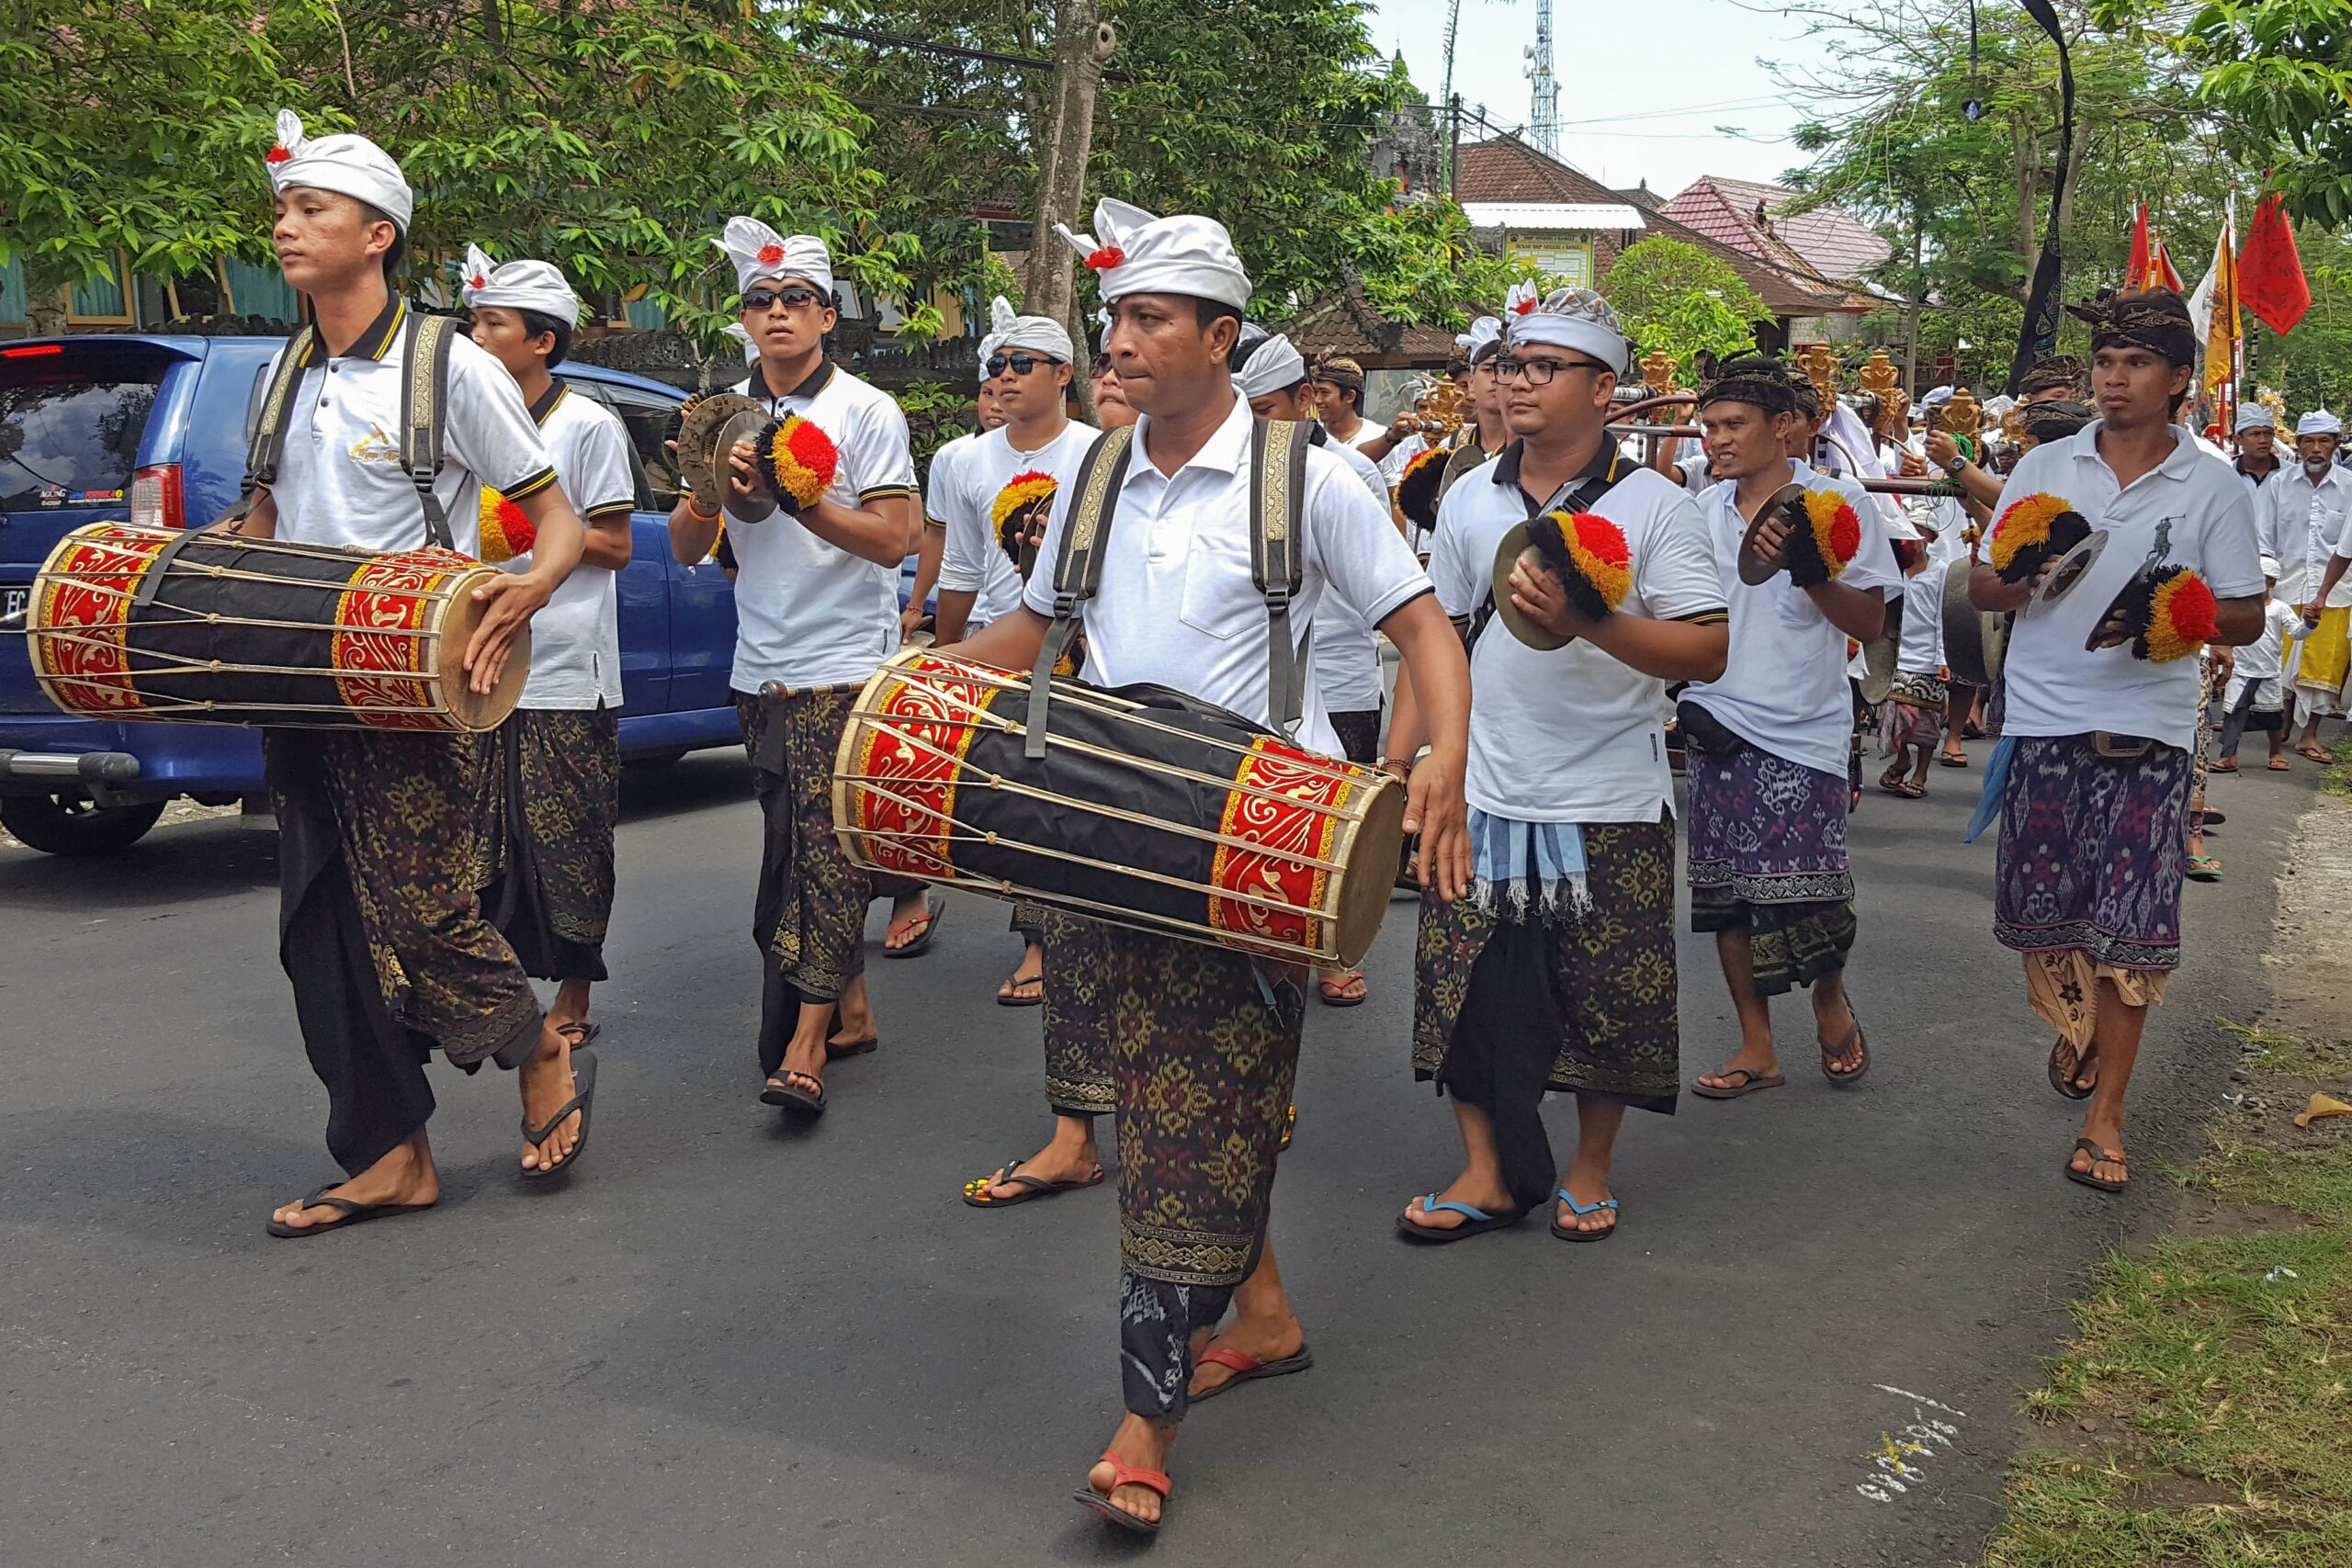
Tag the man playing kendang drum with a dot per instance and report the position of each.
(1767, 742)
(383, 834)
(1271, 373)
(1558, 973)
(561, 752)
(1208, 1043)
(817, 609)
(2091, 777)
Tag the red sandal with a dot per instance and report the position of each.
(1123, 1475)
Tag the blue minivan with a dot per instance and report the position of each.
(153, 428)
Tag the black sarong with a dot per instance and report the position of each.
(559, 803)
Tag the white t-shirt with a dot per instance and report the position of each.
(1572, 735)
(341, 481)
(576, 637)
(1392, 466)
(1920, 650)
(2300, 525)
(1177, 606)
(1783, 689)
(2058, 687)
(972, 561)
(2265, 661)
(1347, 651)
(808, 613)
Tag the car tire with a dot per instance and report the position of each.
(74, 824)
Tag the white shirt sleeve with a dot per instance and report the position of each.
(595, 474)
(963, 566)
(486, 426)
(877, 454)
(1678, 575)
(1461, 584)
(1873, 563)
(2229, 556)
(1367, 563)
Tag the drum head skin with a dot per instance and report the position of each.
(472, 710)
(1379, 843)
(1974, 640)
(702, 460)
(1516, 546)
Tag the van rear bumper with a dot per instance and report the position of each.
(119, 764)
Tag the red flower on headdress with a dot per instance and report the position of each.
(1525, 307)
(479, 280)
(1107, 258)
(771, 255)
(277, 155)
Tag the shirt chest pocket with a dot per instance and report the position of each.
(1218, 599)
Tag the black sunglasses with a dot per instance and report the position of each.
(1102, 363)
(1021, 364)
(758, 301)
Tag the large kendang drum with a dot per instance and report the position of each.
(165, 624)
(1149, 809)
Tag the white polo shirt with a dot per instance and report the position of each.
(2300, 525)
(576, 636)
(1919, 650)
(1177, 606)
(808, 613)
(2058, 687)
(1783, 689)
(1346, 649)
(1572, 735)
(340, 481)
(973, 560)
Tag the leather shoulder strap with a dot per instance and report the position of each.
(424, 394)
(266, 447)
(1078, 567)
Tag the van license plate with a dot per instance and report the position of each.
(12, 601)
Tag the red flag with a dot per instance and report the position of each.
(2135, 271)
(2162, 273)
(2270, 275)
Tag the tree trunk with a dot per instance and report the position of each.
(2074, 183)
(1082, 46)
(2026, 162)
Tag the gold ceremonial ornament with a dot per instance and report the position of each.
(1964, 415)
(1657, 369)
(1882, 381)
(1819, 363)
(1449, 406)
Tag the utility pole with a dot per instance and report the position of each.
(1918, 287)
(1083, 43)
(1454, 150)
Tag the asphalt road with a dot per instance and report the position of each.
(727, 1340)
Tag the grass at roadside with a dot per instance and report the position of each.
(2203, 1412)
(2336, 778)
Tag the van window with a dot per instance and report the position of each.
(70, 427)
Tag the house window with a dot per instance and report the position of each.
(102, 301)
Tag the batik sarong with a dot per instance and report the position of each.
(1913, 714)
(1203, 1050)
(1768, 856)
(2093, 852)
(1077, 1016)
(383, 842)
(1516, 995)
(552, 894)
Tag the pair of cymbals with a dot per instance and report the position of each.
(708, 432)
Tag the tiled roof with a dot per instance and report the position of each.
(1833, 246)
(1346, 323)
(1508, 169)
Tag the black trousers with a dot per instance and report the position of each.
(2242, 716)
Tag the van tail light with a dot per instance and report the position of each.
(156, 499)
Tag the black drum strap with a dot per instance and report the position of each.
(423, 391)
(266, 448)
(1277, 557)
(1078, 569)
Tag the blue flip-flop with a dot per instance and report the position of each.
(1475, 1222)
(1570, 1232)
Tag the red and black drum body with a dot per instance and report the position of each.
(1149, 809)
(217, 628)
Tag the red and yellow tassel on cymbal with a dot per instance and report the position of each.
(2169, 612)
(2032, 530)
(1418, 486)
(798, 460)
(505, 532)
(1589, 553)
(1826, 538)
(1018, 501)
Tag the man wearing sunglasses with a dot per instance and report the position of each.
(985, 417)
(817, 611)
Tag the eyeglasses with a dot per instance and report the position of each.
(1539, 372)
(1020, 364)
(759, 301)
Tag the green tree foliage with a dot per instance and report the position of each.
(1684, 300)
(2278, 74)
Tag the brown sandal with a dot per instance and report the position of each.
(2066, 1075)
(1851, 1041)
(1750, 1082)
(2089, 1176)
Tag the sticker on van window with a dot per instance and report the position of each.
(52, 495)
(97, 495)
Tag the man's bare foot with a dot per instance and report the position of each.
(1754, 1062)
(404, 1176)
(1487, 1194)
(1589, 1188)
(1138, 1445)
(1262, 1339)
(547, 1083)
(1069, 1156)
(911, 918)
(803, 1066)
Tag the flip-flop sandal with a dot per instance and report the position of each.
(790, 1096)
(2315, 753)
(2281, 765)
(2222, 768)
(2212, 818)
(1750, 1082)
(1249, 1369)
(353, 1215)
(1891, 782)
(852, 1048)
(1570, 1232)
(934, 911)
(1851, 1040)
(976, 1192)
(1946, 760)
(583, 1099)
(579, 1032)
(1477, 1222)
(2204, 868)
(1016, 997)
(1332, 990)
(1290, 1128)
(2099, 1157)
(2062, 1077)
(1122, 1475)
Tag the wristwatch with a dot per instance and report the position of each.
(1959, 461)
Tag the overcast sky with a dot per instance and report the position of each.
(1643, 84)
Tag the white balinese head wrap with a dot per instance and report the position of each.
(347, 164)
(2318, 422)
(1038, 335)
(1139, 254)
(518, 286)
(1486, 335)
(2254, 416)
(1274, 364)
(1577, 319)
(760, 252)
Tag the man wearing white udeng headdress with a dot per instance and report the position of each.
(939, 480)
(2300, 513)
(1176, 604)
(561, 748)
(816, 613)
(359, 903)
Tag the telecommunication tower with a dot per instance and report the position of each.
(1544, 111)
